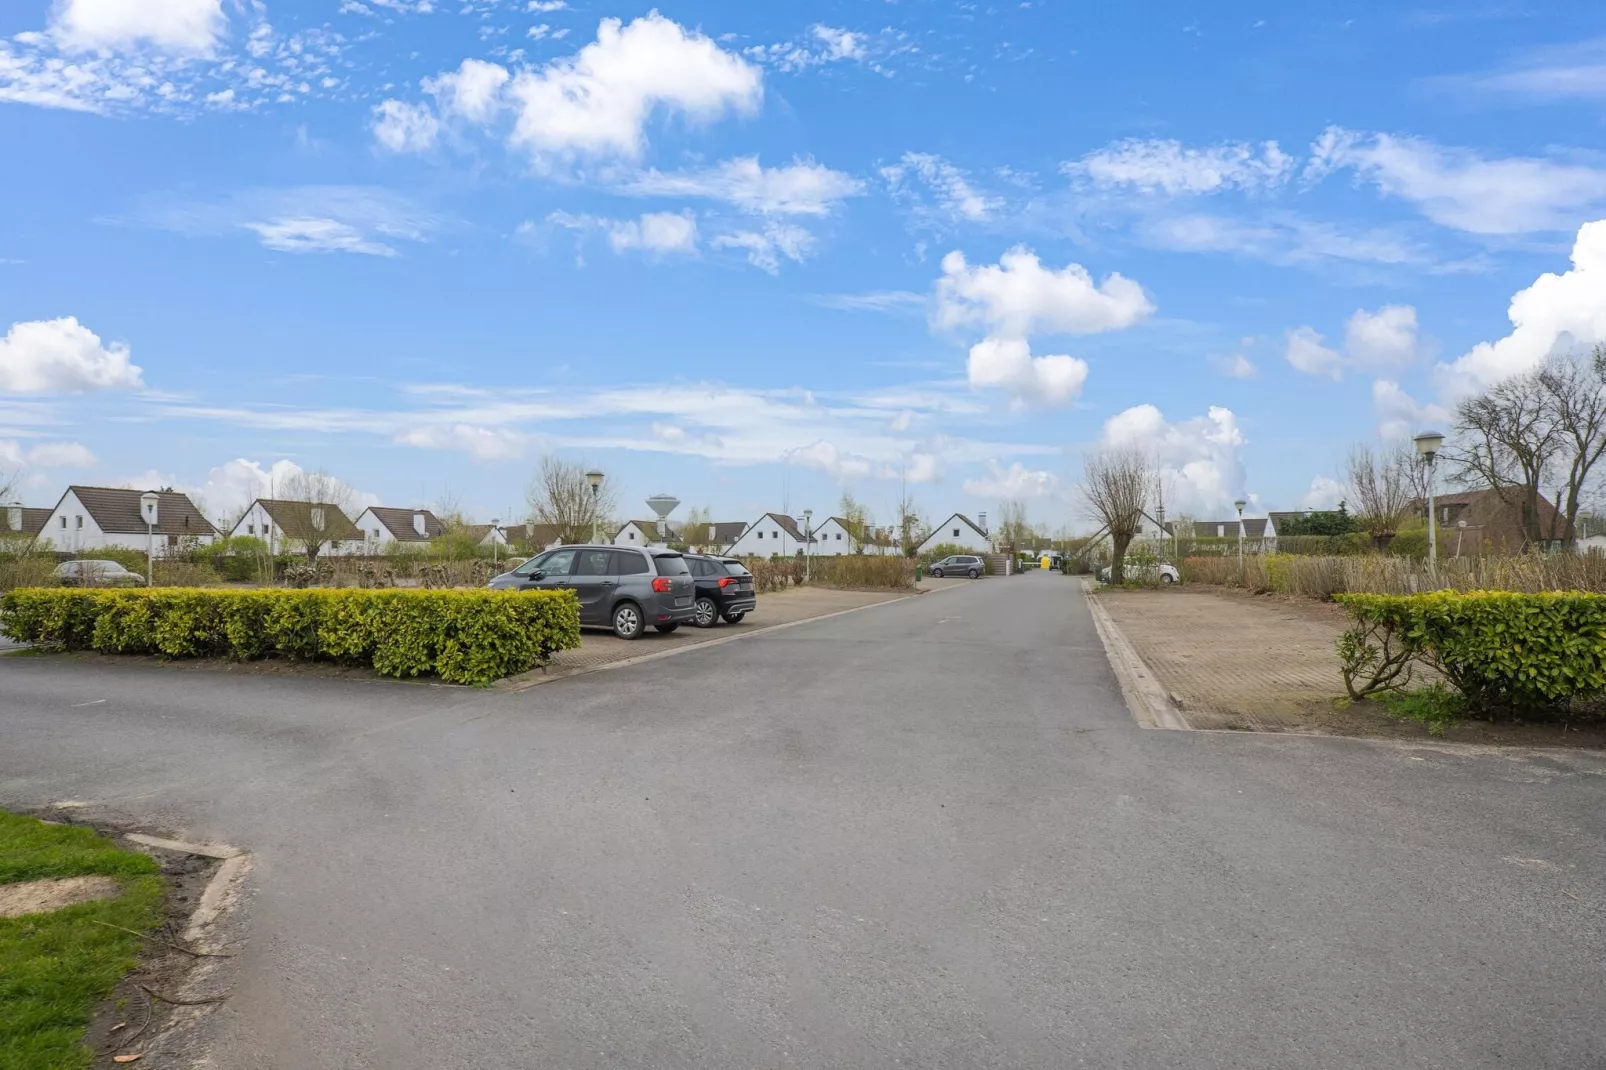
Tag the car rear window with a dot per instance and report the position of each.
(736, 568)
(629, 563)
(671, 565)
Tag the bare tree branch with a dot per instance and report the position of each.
(1383, 485)
(561, 495)
(1117, 485)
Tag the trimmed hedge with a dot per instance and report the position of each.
(463, 637)
(1500, 649)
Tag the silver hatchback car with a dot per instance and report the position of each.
(619, 588)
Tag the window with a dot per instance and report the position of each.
(1221, 530)
(627, 563)
(250, 529)
(956, 533)
(839, 536)
(594, 563)
(64, 524)
(632, 534)
(671, 565)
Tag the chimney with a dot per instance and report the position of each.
(983, 518)
(418, 524)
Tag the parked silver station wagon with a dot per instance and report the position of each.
(622, 589)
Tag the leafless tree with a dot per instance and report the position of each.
(857, 519)
(1382, 484)
(323, 521)
(697, 531)
(10, 479)
(560, 495)
(1118, 484)
(1508, 439)
(909, 530)
(1014, 529)
(1576, 389)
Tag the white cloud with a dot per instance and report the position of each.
(184, 26)
(1384, 340)
(1014, 483)
(839, 44)
(873, 301)
(62, 356)
(1574, 71)
(485, 443)
(1200, 460)
(62, 455)
(308, 235)
(1234, 366)
(403, 127)
(471, 92)
(1008, 364)
(1018, 296)
(545, 7)
(596, 103)
(801, 188)
(233, 485)
(655, 232)
(1399, 416)
(955, 197)
(1459, 188)
(827, 458)
(1325, 493)
(1306, 352)
(765, 248)
(1169, 167)
(1556, 312)
(1286, 239)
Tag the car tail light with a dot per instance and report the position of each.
(726, 581)
(661, 584)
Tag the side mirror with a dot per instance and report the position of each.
(537, 575)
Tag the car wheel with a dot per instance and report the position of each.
(1165, 578)
(707, 613)
(974, 574)
(734, 618)
(627, 622)
(936, 573)
(666, 628)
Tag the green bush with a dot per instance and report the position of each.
(465, 637)
(1501, 650)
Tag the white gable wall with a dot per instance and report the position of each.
(833, 540)
(765, 538)
(634, 534)
(955, 532)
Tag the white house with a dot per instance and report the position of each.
(833, 538)
(486, 535)
(532, 537)
(958, 530)
(92, 518)
(771, 535)
(640, 533)
(382, 526)
(289, 527)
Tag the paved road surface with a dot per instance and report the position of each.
(926, 834)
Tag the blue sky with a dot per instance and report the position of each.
(752, 254)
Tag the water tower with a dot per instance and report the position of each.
(663, 505)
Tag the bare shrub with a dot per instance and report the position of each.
(1117, 484)
(561, 495)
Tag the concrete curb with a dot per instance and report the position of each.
(536, 678)
(1151, 707)
(220, 892)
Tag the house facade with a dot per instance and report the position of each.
(958, 530)
(640, 533)
(21, 522)
(291, 527)
(1483, 522)
(381, 526)
(94, 518)
(833, 538)
(771, 535)
(533, 538)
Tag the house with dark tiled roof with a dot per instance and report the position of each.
(641, 533)
(94, 518)
(21, 522)
(771, 535)
(1255, 527)
(295, 527)
(1489, 523)
(383, 525)
(533, 537)
(961, 531)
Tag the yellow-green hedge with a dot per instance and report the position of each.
(464, 637)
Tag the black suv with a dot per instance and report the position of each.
(724, 589)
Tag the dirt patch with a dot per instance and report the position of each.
(44, 896)
(1233, 660)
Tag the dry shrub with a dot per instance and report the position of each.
(1323, 577)
(27, 570)
(848, 570)
(184, 574)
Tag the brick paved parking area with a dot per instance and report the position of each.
(599, 649)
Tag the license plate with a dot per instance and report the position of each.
(679, 602)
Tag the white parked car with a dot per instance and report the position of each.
(1166, 573)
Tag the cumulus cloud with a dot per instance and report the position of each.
(1305, 351)
(802, 187)
(1399, 415)
(766, 247)
(1199, 459)
(1018, 296)
(1325, 493)
(1459, 188)
(825, 457)
(1555, 313)
(233, 485)
(1172, 168)
(181, 26)
(402, 127)
(839, 43)
(1015, 483)
(62, 356)
(470, 92)
(62, 455)
(1008, 364)
(956, 198)
(1234, 366)
(1381, 341)
(657, 233)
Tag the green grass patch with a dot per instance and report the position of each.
(55, 968)
(1436, 706)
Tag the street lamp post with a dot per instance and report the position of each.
(1427, 444)
(594, 478)
(496, 527)
(148, 503)
(1460, 530)
(1239, 505)
(808, 516)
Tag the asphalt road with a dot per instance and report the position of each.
(924, 834)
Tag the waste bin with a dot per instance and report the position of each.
(920, 570)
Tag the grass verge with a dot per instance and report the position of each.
(1436, 706)
(55, 968)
